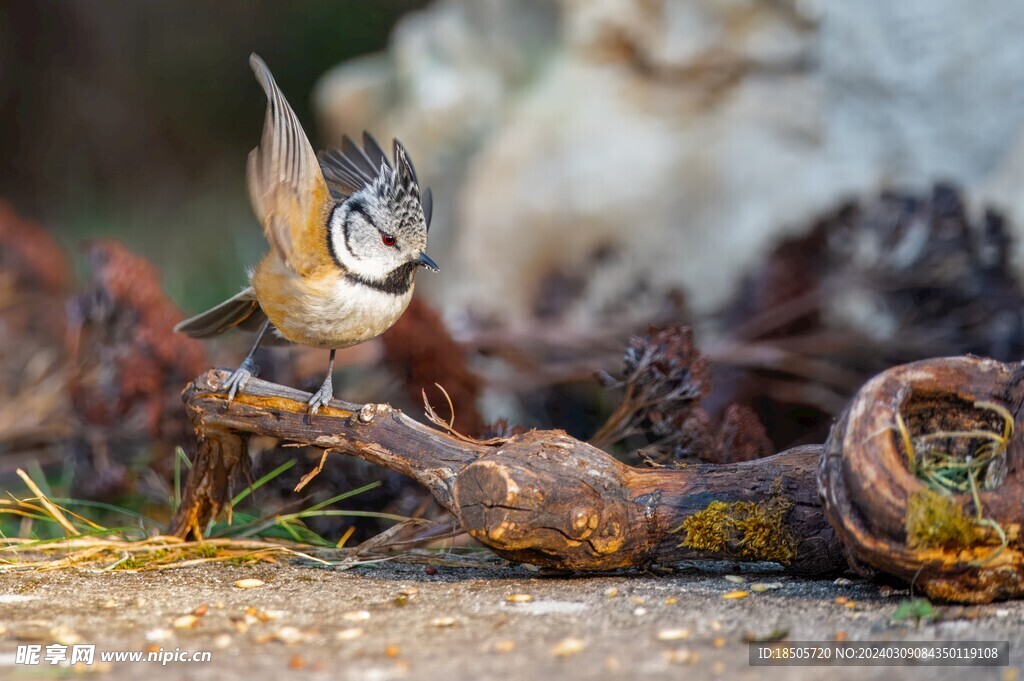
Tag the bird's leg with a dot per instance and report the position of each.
(326, 392)
(237, 380)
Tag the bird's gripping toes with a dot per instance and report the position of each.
(347, 233)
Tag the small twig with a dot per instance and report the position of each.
(308, 477)
(649, 460)
(451, 407)
(448, 427)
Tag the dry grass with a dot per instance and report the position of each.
(87, 545)
(84, 544)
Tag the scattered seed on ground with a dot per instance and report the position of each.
(349, 634)
(761, 587)
(186, 622)
(568, 646)
(505, 646)
(443, 621)
(680, 656)
(290, 635)
(356, 616)
(249, 583)
(254, 615)
(673, 634)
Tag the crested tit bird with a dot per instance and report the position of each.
(347, 232)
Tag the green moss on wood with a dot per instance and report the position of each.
(708, 530)
(935, 520)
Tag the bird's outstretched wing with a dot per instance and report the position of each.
(286, 187)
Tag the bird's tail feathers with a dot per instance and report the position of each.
(240, 311)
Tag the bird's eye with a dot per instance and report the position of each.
(388, 239)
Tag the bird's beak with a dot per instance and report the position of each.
(425, 261)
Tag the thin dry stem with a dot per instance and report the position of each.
(448, 427)
(53, 510)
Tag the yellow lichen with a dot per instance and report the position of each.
(744, 529)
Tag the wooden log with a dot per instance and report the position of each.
(541, 497)
(892, 517)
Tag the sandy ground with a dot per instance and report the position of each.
(395, 621)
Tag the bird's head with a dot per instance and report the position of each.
(379, 233)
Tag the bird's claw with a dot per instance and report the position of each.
(322, 397)
(237, 381)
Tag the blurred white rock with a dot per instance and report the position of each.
(617, 149)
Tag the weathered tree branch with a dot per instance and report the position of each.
(541, 497)
(376, 433)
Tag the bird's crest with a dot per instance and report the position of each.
(351, 169)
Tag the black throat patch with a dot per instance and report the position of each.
(397, 282)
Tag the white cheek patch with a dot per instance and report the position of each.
(375, 265)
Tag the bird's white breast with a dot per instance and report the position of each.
(327, 311)
(351, 313)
